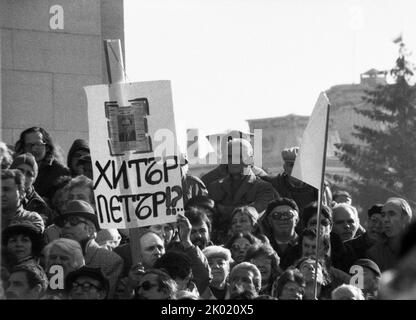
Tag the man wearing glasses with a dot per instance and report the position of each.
(87, 284)
(279, 222)
(27, 165)
(80, 223)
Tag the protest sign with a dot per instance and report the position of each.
(136, 170)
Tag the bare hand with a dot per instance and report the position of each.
(185, 228)
(135, 273)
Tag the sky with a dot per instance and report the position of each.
(233, 60)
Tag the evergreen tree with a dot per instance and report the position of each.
(385, 165)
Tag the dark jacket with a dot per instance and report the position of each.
(383, 255)
(303, 195)
(222, 171)
(22, 215)
(253, 191)
(357, 248)
(49, 172)
(199, 264)
(110, 263)
(34, 202)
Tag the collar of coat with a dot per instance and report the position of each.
(249, 178)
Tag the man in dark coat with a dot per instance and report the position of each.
(221, 171)
(241, 186)
(290, 187)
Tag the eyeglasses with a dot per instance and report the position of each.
(72, 220)
(37, 145)
(324, 223)
(283, 215)
(85, 286)
(147, 285)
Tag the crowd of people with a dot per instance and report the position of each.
(244, 234)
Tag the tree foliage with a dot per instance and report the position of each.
(385, 163)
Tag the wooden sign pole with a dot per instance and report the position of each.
(117, 75)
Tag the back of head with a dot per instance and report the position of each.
(231, 135)
(240, 151)
(347, 292)
(176, 264)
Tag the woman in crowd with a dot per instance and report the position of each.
(290, 285)
(23, 243)
(220, 261)
(239, 243)
(39, 143)
(64, 252)
(244, 220)
(267, 261)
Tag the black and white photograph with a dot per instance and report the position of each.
(236, 152)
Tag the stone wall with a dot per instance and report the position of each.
(44, 70)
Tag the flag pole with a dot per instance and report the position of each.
(320, 195)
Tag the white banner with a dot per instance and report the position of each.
(309, 161)
(132, 136)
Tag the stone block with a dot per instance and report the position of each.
(6, 49)
(26, 99)
(70, 101)
(57, 52)
(5, 14)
